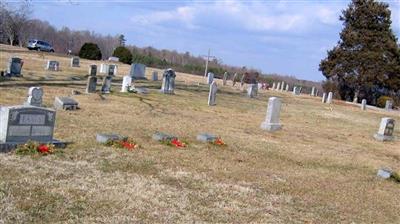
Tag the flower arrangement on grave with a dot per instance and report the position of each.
(125, 143)
(218, 141)
(35, 148)
(175, 142)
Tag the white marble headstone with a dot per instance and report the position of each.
(271, 122)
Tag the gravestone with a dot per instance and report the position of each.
(282, 86)
(296, 91)
(242, 80)
(126, 83)
(65, 103)
(160, 136)
(210, 78)
(53, 65)
(234, 79)
(19, 124)
(105, 137)
(273, 86)
(388, 105)
(106, 86)
(212, 95)
(278, 86)
(155, 76)
(138, 71)
(323, 97)
(103, 68)
(35, 95)
(225, 78)
(271, 122)
(168, 82)
(329, 99)
(252, 90)
(287, 88)
(386, 128)
(112, 70)
(312, 91)
(363, 104)
(91, 84)
(92, 70)
(205, 137)
(14, 66)
(75, 62)
(316, 92)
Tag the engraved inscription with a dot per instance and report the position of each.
(19, 130)
(41, 131)
(32, 119)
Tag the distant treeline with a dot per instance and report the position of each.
(16, 28)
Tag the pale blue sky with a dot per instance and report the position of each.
(284, 37)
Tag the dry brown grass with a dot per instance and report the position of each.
(320, 168)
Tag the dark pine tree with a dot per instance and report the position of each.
(365, 64)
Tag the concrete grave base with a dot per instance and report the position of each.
(270, 126)
(382, 138)
(9, 146)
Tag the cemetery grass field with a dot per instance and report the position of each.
(320, 168)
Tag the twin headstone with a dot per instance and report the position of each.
(35, 95)
(168, 82)
(386, 128)
(92, 79)
(212, 95)
(14, 66)
(210, 78)
(271, 122)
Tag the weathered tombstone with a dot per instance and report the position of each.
(126, 83)
(103, 68)
(53, 65)
(312, 91)
(168, 82)
(386, 128)
(273, 86)
(138, 71)
(282, 86)
(14, 66)
(225, 78)
(35, 95)
(106, 86)
(20, 124)
(388, 105)
(316, 92)
(210, 78)
(112, 70)
(271, 122)
(155, 76)
(91, 84)
(278, 86)
(296, 90)
(323, 97)
(75, 62)
(212, 95)
(205, 137)
(252, 90)
(287, 88)
(65, 103)
(92, 70)
(329, 99)
(234, 79)
(363, 104)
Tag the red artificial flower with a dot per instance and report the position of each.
(128, 145)
(43, 148)
(219, 141)
(177, 143)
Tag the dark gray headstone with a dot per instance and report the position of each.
(168, 82)
(14, 66)
(75, 62)
(53, 65)
(106, 86)
(22, 123)
(92, 70)
(35, 95)
(65, 103)
(138, 71)
(91, 84)
(112, 70)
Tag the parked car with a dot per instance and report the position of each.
(39, 45)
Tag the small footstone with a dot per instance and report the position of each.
(205, 137)
(159, 136)
(65, 103)
(103, 138)
(384, 173)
